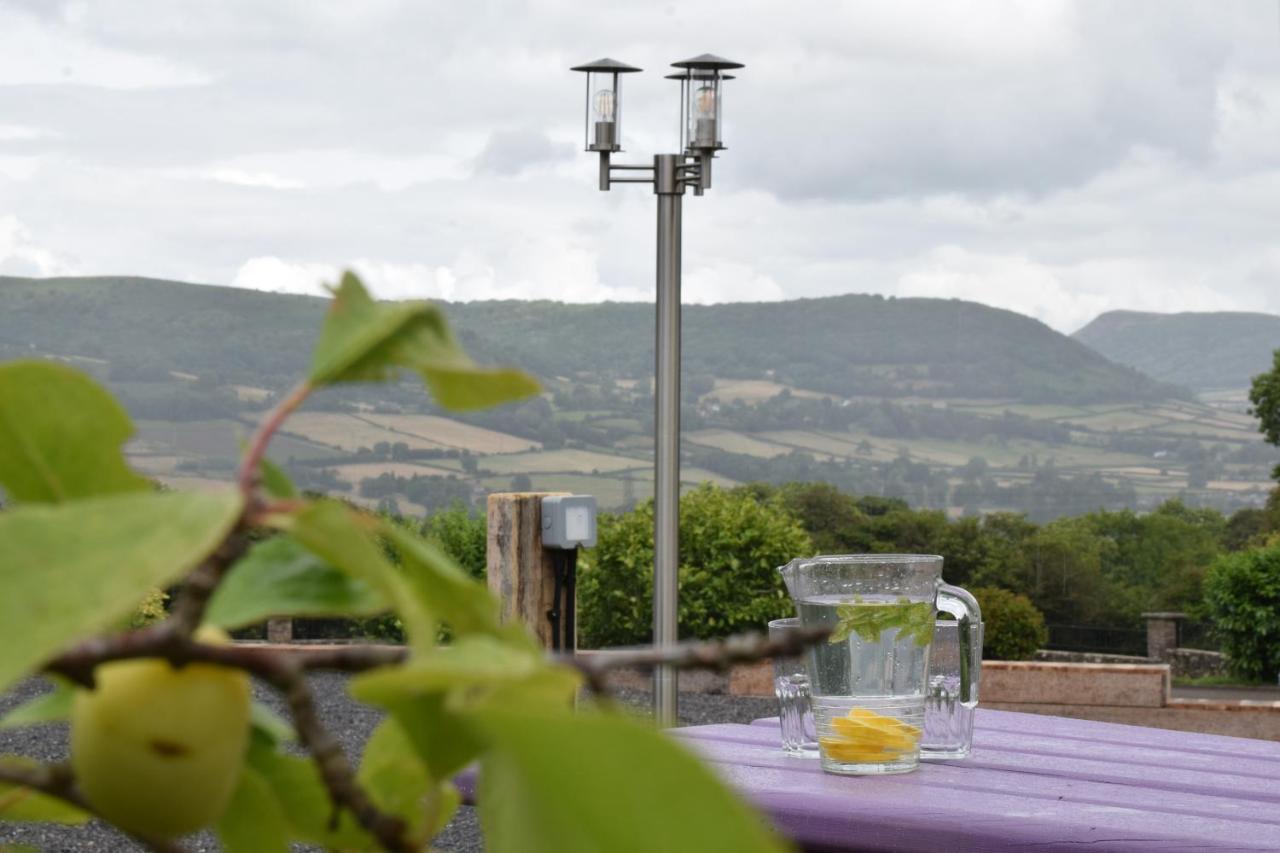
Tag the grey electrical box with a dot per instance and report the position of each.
(568, 521)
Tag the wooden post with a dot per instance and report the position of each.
(520, 571)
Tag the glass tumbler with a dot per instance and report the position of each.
(948, 707)
(791, 685)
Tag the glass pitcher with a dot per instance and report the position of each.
(868, 681)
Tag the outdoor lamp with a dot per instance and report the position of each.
(603, 125)
(701, 95)
(701, 99)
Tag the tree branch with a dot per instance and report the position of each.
(247, 475)
(712, 654)
(56, 780)
(200, 584)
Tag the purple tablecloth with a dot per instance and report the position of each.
(1032, 783)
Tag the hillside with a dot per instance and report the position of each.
(845, 345)
(1205, 352)
(945, 404)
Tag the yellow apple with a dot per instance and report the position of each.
(157, 750)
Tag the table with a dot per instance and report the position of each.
(1032, 783)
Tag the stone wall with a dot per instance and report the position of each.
(1196, 663)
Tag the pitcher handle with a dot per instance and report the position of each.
(960, 604)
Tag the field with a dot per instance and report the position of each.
(359, 471)
(752, 391)
(560, 461)
(349, 432)
(450, 433)
(621, 474)
(736, 442)
(219, 439)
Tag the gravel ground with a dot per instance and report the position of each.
(351, 722)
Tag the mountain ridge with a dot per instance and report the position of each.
(847, 345)
(1206, 350)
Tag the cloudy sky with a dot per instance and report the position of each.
(1055, 158)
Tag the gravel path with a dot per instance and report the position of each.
(351, 722)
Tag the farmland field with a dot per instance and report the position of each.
(736, 442)
(349, 432)
(560, 461)
(449, 433)
(363, 470)
(753, 391)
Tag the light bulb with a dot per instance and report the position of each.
(704, 102)
(604, 104)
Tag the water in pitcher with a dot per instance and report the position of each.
(868, 680)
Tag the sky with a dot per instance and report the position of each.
(1059, 159)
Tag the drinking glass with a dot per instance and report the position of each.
(868, 679)
(948, 718)
(791, 685)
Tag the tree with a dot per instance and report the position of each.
(730, 547)
(1264, 394)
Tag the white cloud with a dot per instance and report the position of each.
(41, 52)
(1058, 158)
(20, 255)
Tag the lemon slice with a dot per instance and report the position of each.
(882, 737)
(839, 749)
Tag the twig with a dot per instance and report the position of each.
(56, 780)
(712, 654)
(334, 768)
(199, 586)
(247, 475)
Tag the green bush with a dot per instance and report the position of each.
(730, 547)
(1242, 596)
(1012, 627)
(462, 534)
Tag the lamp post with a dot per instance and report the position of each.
(701, 86)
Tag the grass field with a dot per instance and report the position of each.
(349, 432)
(752, 391)
(736, 442)
(364, 470)
(567, 460)
(450, 433)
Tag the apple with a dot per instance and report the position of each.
(157, 750)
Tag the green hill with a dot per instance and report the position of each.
(844, 345)
(1206, 352)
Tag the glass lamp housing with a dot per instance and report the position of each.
(702, 81)
(603, 128)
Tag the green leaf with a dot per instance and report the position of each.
(269, 724)
(450, 593)
(399, 783)
(303, 799)
(279, 577)
(275, 482)
(432, 694)
(76, 569)
(60, 436)
(869, 619)
(619, 786)
(344, 539)
(363, 340)
(254, 821)
(50, 707)
(23, 804)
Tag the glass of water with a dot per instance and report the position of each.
(948, 708)
(791, 685)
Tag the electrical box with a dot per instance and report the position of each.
(568, 521)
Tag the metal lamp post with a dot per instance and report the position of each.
(701, 87)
